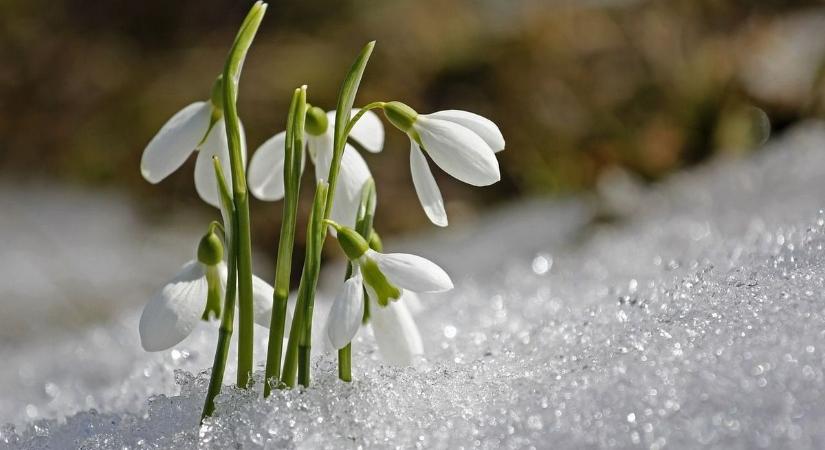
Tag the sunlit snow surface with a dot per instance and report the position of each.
(696, 321)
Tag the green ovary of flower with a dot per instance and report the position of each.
(316, 121)
(400, 115)
(210, 249)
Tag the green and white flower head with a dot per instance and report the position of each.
(266, 168)
(395, 331)
(197, 127)
(195, 293)
(461, 143)
(385, 276)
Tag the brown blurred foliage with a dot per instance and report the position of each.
(576, 86)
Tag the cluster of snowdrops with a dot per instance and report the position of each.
(378, 288)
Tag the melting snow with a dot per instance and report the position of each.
(696, 321)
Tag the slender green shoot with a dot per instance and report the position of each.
(228, 316)
(297, 355)
(307, 303)
(241, 239)
(283, 266)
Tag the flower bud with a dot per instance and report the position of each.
(400, 115)
(210, 249)
(351, 242)
(316, 121)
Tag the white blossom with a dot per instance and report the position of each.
(188, 131)
(172, 313)
(266, 168)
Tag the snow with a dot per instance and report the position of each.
(693, 317)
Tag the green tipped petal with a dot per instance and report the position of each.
(381, 286)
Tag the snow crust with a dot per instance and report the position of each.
(693, 317)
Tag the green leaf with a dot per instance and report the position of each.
(346, 98)
(243, 40)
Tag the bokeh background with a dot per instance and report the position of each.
(579, 88)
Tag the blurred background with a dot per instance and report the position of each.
(582, 90)
(577, 87)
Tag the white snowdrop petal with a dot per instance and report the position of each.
(368, 131)
(425, 186)
(262, 294)
(396, 333)
(346, 313)
(481, 126)
(351, 178)
(413, 302)
(320, 151)
(175, 141)
(223, 273)
(174, 311)
(266, 169)
(412, 272)
(205, 182)
(244, 154)
(458, 151)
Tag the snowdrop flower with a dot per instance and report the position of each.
(385, 276)
(196, 292)
(463, 144)
(266, 169)
(346, 312)
(197, 127)
(396, 333)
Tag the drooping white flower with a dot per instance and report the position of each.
(197, 127)
(386, 277)
(462, 143)
(266, 168)
(172, 313)
(408, 271)
(346, 313)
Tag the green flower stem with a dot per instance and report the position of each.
(283, 267)
(363, 225)
(242, 238)
(297, 356)
(290, 370)
(306, 302)
(228, 317)
(361, 112)
(345, 363)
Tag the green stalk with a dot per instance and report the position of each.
(363, 225)
(283, 266)
(307, 303)
(345, 363)
(297, 356)
(290, 372)
(242, 237)
(228, 317)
